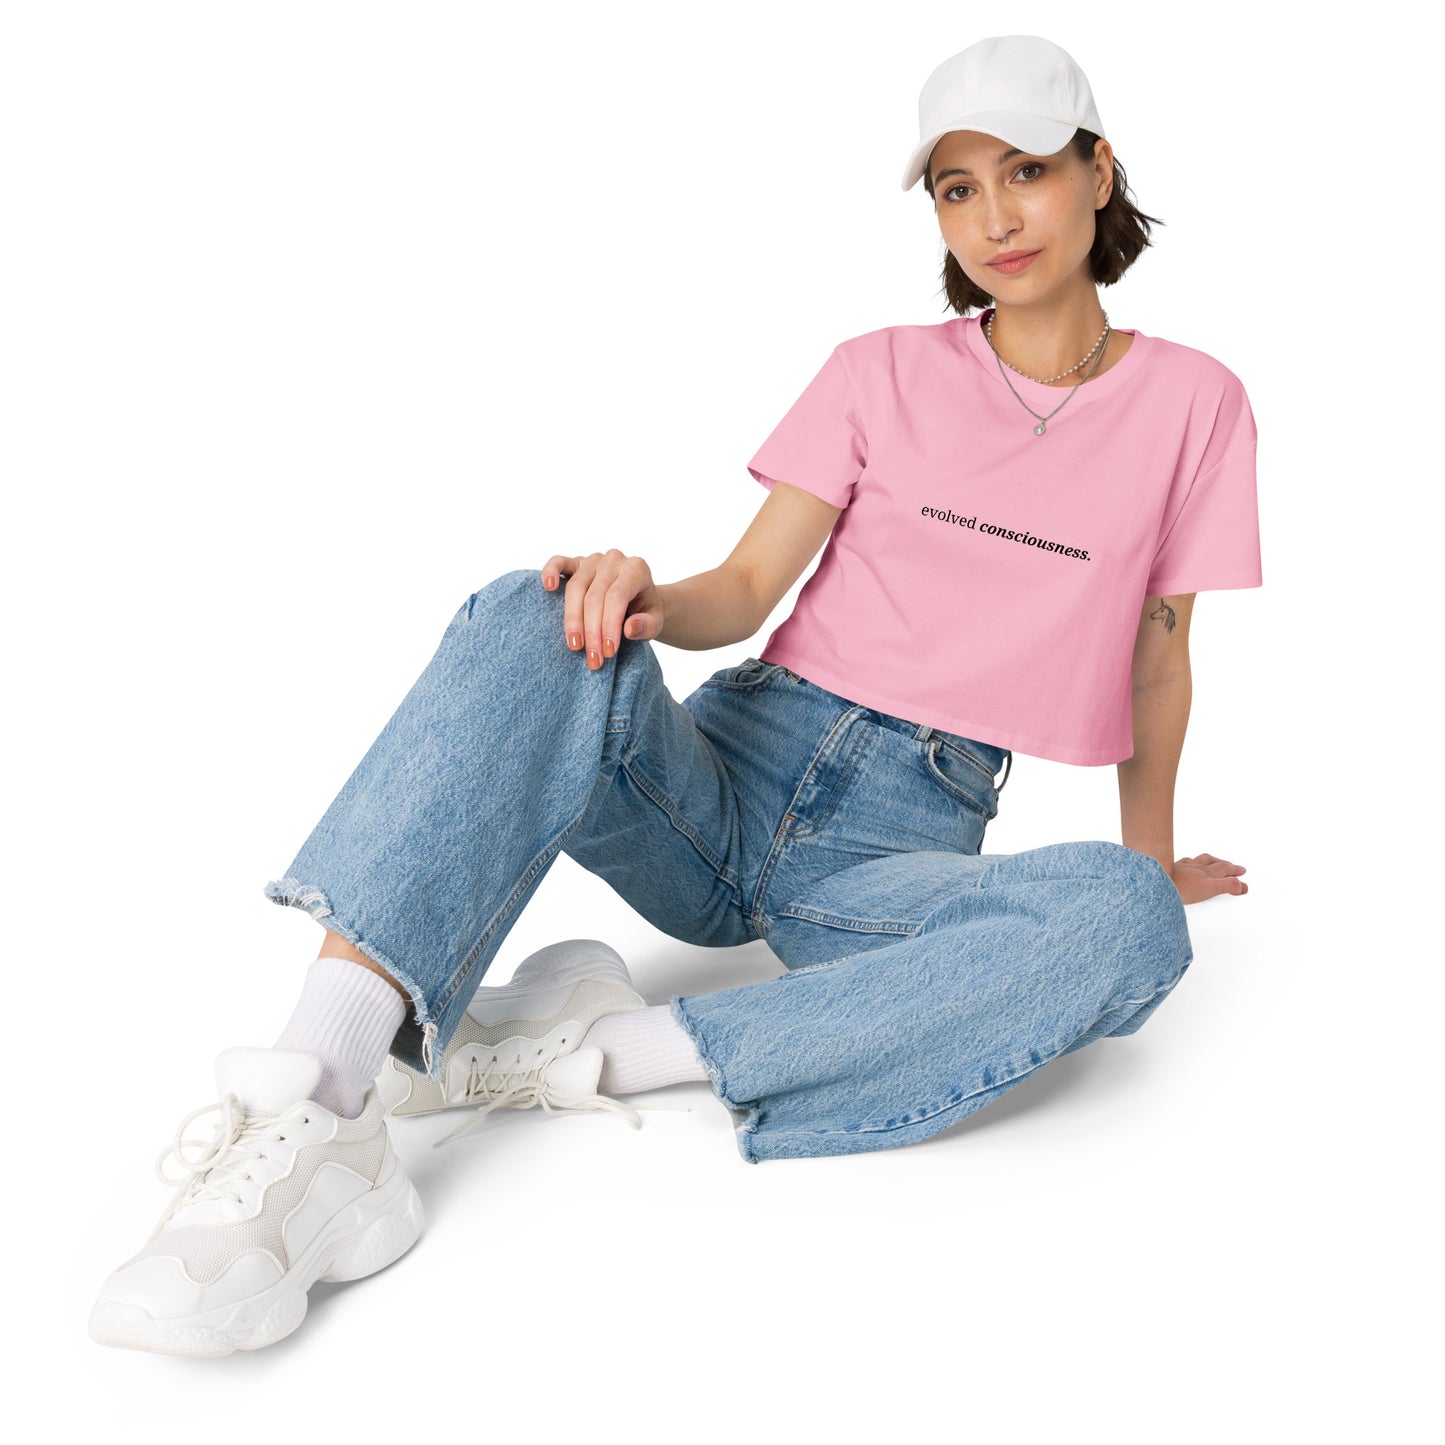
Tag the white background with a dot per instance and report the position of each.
(319, 316)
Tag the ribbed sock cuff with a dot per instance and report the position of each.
(347, 1016)
(643, 1049)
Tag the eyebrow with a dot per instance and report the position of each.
(959, 170)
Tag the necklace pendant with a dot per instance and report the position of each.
(1039, 430)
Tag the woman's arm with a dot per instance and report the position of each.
(1163, 690)
(734, 599)
(1162, 693)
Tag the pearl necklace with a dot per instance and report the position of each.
(1096, 352)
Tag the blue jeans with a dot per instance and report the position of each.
(923, 978)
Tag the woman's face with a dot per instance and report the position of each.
(1013, 200)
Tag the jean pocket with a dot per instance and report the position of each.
(747, 674)
(963, 776)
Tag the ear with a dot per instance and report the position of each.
(1103, 172)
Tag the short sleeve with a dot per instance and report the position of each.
(819, 444)
(1210, 540)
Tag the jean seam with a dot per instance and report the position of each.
(914, 931)
(972, 759)
(683, 826)
(783, 835)
(1148, 998)
(753, 685)
(509, 904)
(504, 911)
(926, 753)
(905, 926)
(862, 737)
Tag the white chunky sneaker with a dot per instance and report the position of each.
(518, 1043)
(285, 1193)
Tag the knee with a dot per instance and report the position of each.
(513, 609)
(1141, 896)
(1140, 877)
(1149, 896)
(511, 585)
(518, 596)
(1148, 876)
(1113, 860)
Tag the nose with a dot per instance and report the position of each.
(1000, 217)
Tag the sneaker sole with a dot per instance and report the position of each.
(368, 1235)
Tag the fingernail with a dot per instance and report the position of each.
(574, 640)
(592, 659)
(608, 647)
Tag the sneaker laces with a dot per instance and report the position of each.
(236, 1143)
(519, 1088)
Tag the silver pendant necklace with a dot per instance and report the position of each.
(1097, 353)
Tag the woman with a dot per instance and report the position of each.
(1018, 508)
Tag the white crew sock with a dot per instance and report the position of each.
(643, 1049)
(347, 1016)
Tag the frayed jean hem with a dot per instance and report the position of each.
(746, 1114)
(414, 1039)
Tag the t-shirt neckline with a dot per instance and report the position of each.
(1044, 398)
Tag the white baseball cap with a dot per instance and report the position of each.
(1021, 88)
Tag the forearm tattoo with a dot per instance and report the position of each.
(1163, 613)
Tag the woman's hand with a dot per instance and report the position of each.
(609, 596)
(1205, 875)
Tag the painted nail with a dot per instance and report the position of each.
(592, 658)
(574, 640)
(608, 647)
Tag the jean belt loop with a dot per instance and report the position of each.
(1008, 763)
(924, 733)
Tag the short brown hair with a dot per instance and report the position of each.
(1121, 232)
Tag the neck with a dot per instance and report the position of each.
(1043, 342)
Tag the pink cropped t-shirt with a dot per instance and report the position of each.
(988, 581)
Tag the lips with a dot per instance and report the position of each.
(1014, 264)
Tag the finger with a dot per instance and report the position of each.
(614, 608)
(1227, 885)
(1206, 861)
(555, 568)
(595, 603)
(574, 608)
(642, 626)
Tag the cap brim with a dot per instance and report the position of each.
(1028, 132)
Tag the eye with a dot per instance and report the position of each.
(1027, 166)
